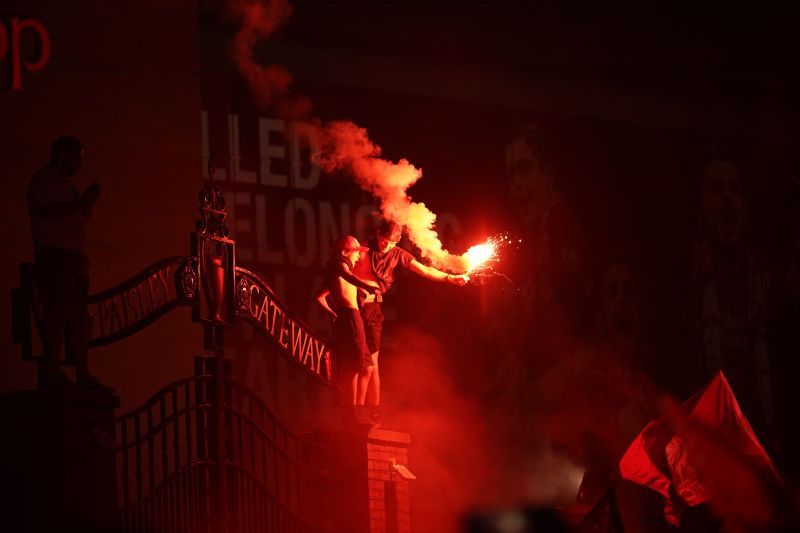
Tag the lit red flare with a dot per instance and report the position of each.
(478, 255)
(482, 257)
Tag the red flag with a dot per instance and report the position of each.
(705, 451)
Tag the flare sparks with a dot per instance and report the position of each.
(483, 258)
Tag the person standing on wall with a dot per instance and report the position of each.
(339, 297)
(378, 264)
(59, 215)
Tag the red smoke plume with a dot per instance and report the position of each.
(452, 450)
(344, 146)
(271, 84)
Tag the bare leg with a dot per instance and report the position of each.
(373, 390)
(364, 378)
(348, 386)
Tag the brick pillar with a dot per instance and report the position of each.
(368, 494)
(389, 506)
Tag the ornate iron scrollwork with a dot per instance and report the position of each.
(243, 294)
(215, 253)
(186, 279)
(212, 211)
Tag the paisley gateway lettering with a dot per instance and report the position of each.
(123, 310)
(291, 336)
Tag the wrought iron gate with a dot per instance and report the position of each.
(205, 454)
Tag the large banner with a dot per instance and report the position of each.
(581, 193)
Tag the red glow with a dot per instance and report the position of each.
(479, 254)
(483, 257)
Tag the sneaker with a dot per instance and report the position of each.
(90, 383)
(363, 417)
(354, 417)
(375, 418)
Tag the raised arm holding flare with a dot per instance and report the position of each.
(378, 265)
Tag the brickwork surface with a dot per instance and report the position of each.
(389, 504)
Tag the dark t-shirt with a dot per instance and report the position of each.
(383, 265)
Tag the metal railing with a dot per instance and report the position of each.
(205, 454)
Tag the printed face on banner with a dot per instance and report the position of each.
(723, 202)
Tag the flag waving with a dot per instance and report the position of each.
(705, 451)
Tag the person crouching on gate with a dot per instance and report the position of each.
(338, 296)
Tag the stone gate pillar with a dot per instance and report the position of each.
(370, 481)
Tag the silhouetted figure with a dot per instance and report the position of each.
(58, 214)
(378, 264)
(349, 344)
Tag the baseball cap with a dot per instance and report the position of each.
(348, 243)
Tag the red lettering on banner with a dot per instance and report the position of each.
(163, 277)
(160, 295)
(152, 290)
(145, 310)
(124, 314)
(135, 313)
(275, 311)
(102, 313)
(264, 312)
(309, 352)
(284, 330)
(3, 41)
(295, 340)
(320, 349)
(125, 309)
(115, 317)
(13, 46)
(253, 310)
(299, 342)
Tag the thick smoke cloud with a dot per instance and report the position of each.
(270, 85)
(344, 146)
(588, 402)
(459, 451)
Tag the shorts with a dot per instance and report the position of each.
(349, 347)
(372, 315)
